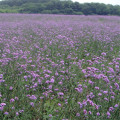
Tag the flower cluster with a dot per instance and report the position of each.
(59, 67)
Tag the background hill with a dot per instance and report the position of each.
(57, 7)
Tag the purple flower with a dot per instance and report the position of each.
(25, 77)
(50, 115)
(41, 97)
(77, 114)
(98, 114)
(106, 79)
(84, 102)
(17, 113)
(47, 82)
(97, 88)
(111, 109)
(106, 99)
(91, 82)
(108, 113)
(33, 97)
(116, 105)
(60, 83)
(84, 71)
(2, 104)
(6, 113)
(103, 54)
(90, 112)
(60, 93)
(97, 107)
(50, 86)
(105, 92)
(52, 80)
(20, 111)
(112, 97)
(32, 104)
(13, 108)
(111, 70)
(99, 94)
(1, 108)
(116, 85)
(56, 73)
(1, 76)
(16, 98)
(91, 102)
(46, 75)
(79, 90)
(85, 112)
(59, 104)
(12, 100)
(81, 105)
(10, 88)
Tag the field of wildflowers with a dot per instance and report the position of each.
(57, 67)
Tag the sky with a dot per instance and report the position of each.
(113, 2)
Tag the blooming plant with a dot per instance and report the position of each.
(57, 67)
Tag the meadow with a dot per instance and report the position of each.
(59, 67)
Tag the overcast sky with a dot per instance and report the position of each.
(113, 2)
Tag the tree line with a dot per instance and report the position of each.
(58, 7)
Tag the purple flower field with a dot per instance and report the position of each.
(59, 67)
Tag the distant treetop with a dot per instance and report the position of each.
(57, 7)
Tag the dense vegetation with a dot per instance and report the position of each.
(57, 7)
(58, 67)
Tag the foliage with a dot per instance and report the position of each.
(58, 7)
